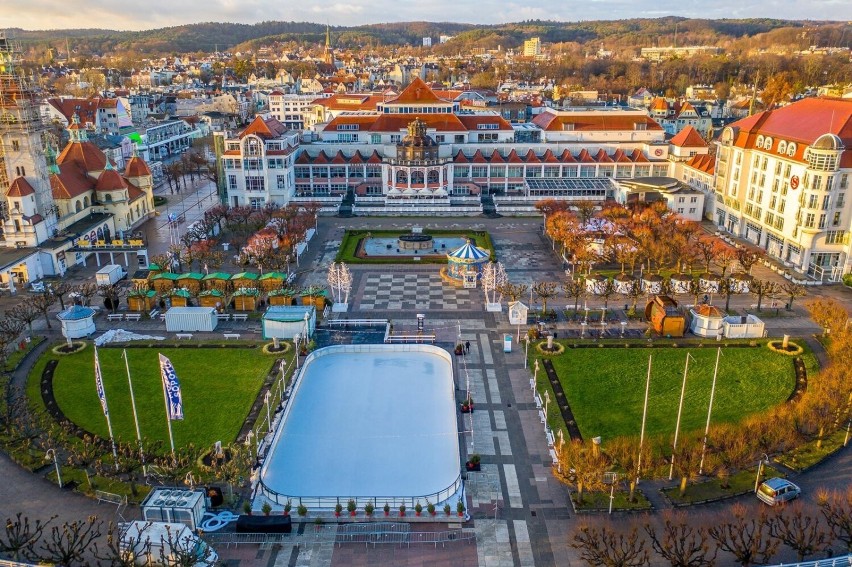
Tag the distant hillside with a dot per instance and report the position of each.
(209, 35)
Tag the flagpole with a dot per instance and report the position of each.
(679, 412)
(135, 416)
(99, 379)
(709, 411)
(644, 416)
(169, 420)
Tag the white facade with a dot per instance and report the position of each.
(782, 179)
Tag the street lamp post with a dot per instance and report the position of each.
(51, 454)
(526, 351)
(623, 328)
(249, 437)
(266, 397)
(760, 464)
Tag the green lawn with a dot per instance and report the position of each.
(349, 246)
(606, 387)
(218, 387)
(738, 483)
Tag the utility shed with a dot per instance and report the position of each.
(191, 319)
(665, 317)
(286, 321)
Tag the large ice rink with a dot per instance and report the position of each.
(368, 421)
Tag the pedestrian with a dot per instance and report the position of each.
(555, 336)
(467, 346)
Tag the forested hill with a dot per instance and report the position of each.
(210, 35)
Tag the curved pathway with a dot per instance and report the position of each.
(32, 494)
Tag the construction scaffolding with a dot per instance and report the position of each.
(21, 122)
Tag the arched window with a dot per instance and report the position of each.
(401, 176)
(86, 202)
(433, 176)
(417, 177)
(108, 198)
(77, 206)
(252, 147)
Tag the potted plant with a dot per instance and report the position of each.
(473, 463)
(318, 523)
(247, 507)
(467, 405)
(448, 509)
(266, 508)
(302, 510)
(338, 508)
(460, 508)
(287, 507)
(387, 509)
(430, 508)
(418, 509)
(401, 510)
(368, 509)
(459, 349)
(351, 507)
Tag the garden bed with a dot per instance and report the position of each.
(599, 502)
(808, 455)
(711, 490)
(350, 246)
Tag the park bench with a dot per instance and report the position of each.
(541, 416)
(550, 439)
(183, 336)
(223, 316)
(133, 316)
(554, 457)
(231, 336)
(162, 316)
(240, 316)
(153, 314)
(115, 317)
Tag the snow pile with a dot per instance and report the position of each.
(122, 336)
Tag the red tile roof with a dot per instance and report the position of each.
(417, 92)
(85, 154)
(688, 138)
(20, 187)
(802, 122)
(136, 167)
(472, 122)
(593, 122)
(267, 129)
(110, 180)
(70, 182)
(703, 162)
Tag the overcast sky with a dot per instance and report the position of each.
(112, 14)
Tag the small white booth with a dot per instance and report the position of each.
(705, 321)
(287, 321)
(77, 321)
(518, 313)
(191, 319)
(743, 327)
(175, 505)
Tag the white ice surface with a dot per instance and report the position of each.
(368, 424)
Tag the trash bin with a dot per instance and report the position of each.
(507, 343)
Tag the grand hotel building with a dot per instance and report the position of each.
(420, 153)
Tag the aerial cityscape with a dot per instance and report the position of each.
(519, 288)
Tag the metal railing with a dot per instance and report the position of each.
(831, 562)
(379, 533)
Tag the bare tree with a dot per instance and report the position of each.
(68, 544)
(42, 303)
(87, 291)
(20, 537)
(836, 508)
(575, 289)
(583, 465)
(744, 536)
(112, 294)
(793, 290)
(26, 312)
(680, 543)
(604, 547)
(513, 291)
(544, 291)
(177, 551)
(748, 257)
(118, 553)
(761, 289)
(799, 531)
(606, 289)
(60, 289)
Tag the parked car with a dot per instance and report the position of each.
(778, 491)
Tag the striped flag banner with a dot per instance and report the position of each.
(99, 383)
(171, 386)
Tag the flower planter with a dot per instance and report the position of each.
(473, 466)
(402, 514)
(418, 514)
(466, 409)
(353, 513)
(387, 513)
(337, 514)
(461, 514)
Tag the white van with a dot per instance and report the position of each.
(160, 543)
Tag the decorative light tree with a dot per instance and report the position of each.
(492, 279)
(340, 282)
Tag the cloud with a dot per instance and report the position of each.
(56, 14)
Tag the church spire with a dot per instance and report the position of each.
(328, 56)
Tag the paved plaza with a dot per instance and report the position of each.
(520, 513)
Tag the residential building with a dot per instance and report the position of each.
(99, 115)
(532, 47)
(427, 42)
(686, 51)
(675, 115)
(782, 180)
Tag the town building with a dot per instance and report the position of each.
(782, 178)
(532, 47)
(671, 52)
(675, 115)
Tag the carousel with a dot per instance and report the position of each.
(464, 265)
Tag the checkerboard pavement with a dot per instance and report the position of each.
(415, 291)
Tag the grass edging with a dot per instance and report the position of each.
(19, 356)
(807, 455)
(741, 483)
(352, 238)
(593, 501)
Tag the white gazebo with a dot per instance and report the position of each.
(77, 321)
(518, 313)
(706, 321)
